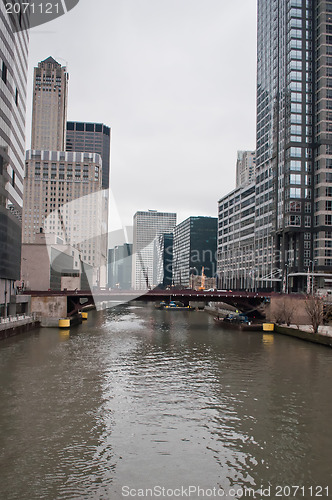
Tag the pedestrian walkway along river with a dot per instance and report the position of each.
(138, 399)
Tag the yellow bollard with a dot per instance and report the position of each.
(268, 327)
(64, 323)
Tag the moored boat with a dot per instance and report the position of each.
(238, 322)
(173, 306)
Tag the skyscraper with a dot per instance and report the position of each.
(49, 109)
(120, 266)
(91, 138)
(163, 260)
(245, 168)
(293, 181)
(294, 137)
(14, 41)
(147, 225)
(63, 190)
(195, 247)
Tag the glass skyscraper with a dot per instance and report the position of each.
(292, 239)
(13, 82)
(195, 247)
(294, 146)
(147, 225)
(91, 138)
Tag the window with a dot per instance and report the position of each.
(296, 129)
(296, 152)
(295, 165)
(295, 179)
(307, 221)
(4, 72)
(294, 206)
(294, 220)
(295, 192)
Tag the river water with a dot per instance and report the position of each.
(136, 400)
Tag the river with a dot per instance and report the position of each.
(145, 403)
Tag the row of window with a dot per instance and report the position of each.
(4, 72)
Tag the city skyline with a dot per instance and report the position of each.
(179, 101)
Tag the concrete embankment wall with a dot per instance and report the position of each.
(50, 307)
(16, 327)
(308, 336)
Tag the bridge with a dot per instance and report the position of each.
(78, 299)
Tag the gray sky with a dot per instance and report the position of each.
(176, 82)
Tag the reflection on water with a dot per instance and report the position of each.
(140, 397)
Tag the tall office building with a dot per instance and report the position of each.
(245, 167)
(63, 196)
(236, 239)
(63, 190)
(163, 260)
(195, 247)
(294, 148)
(91, 138)
(147, 225)
(293, 198)
(14, 41)
(120, 266)
(49, 108)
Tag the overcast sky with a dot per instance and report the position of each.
(176, 82)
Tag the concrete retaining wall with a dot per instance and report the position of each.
(50, 307)
(311, 337)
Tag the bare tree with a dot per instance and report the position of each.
(284, 311)
(314, 307)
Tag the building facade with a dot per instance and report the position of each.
(293, 193)
(163, 260)
(245, 167)
(91, 138)
(65, 272)
(14, 40)
(120, 266)
(236, 239)
(195, 247)
(63, 189)
(293, 140)
(63, 196)
(49, 108)
(147, 225)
